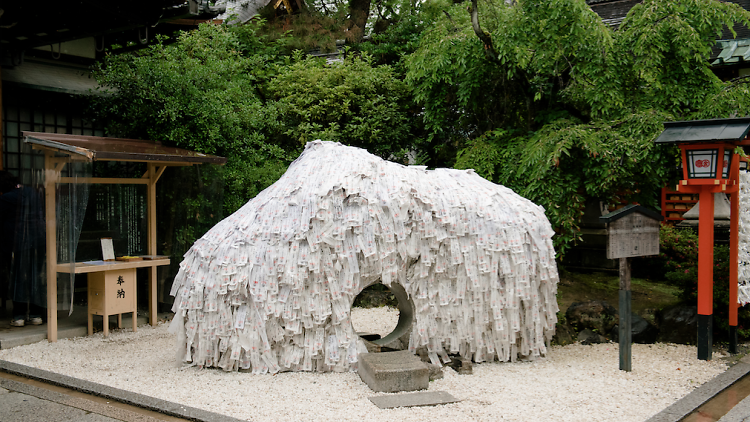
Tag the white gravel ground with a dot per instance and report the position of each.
(572, 383)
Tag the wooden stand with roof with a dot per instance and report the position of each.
(631, 231)
(58, 150)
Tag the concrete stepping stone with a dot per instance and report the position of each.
(423, 398)
(391, 372)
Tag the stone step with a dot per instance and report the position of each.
(422, 398)
(390, 372)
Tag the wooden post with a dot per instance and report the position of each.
(626, 332)
(705, 274)
(151, 205)
(631, 231)
(50, 183)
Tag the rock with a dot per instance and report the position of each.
(372, 347)
(642, 331)
(595, 315)
(461, 365)
(678, 324)
(564, 335)
(589, 337)
(436, 371)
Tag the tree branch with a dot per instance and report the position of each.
(740, 79)
(455, 28)
(483, 36)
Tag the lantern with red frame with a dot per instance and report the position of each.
(709, 166)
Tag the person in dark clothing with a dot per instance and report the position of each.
(8, 182)
(22, 251)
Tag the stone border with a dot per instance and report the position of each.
(738, 413)
(686, 405)
(127, 397)
(86, 405)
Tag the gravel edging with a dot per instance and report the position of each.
(701, 395)
(569, 382)
(134, 399)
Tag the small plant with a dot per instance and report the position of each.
(679, 257)
(679, 265)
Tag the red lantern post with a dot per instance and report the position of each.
(709, 167)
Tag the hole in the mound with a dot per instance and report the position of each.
(375, 312)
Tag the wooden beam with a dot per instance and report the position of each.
(705, 274)
(159, 171)
(104, 180)
(50, 179)
(85, 268)
(153, 176)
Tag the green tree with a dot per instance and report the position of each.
(352, 102)
(546, 99)
(203, 93)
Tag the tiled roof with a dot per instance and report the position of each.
(612, 12)
(730, 50)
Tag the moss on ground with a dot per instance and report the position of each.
(647, 295)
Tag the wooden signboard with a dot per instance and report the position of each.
(632, 231)
(633, 235)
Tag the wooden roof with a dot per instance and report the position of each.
(95, 148)
(711, 130)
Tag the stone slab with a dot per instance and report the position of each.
(95, 411)
(25, 408)
(391, 372)
(702, 394)
(739, 413)
(422, 398)
(134, 399)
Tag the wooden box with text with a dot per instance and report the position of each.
(112, 293)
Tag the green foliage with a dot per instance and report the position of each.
(191, 203)
(660, 58)
(305, 31)
(447, 74)
(227, 91)
(203, 93)
(678, 264)
(561, 108)
(678, 258)
(566, 162)
(399, 29)
(352, 102)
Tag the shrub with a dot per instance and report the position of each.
(678, 264)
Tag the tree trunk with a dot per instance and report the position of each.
(359, 10)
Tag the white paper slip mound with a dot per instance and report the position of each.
(271, 286)
(743, 251)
